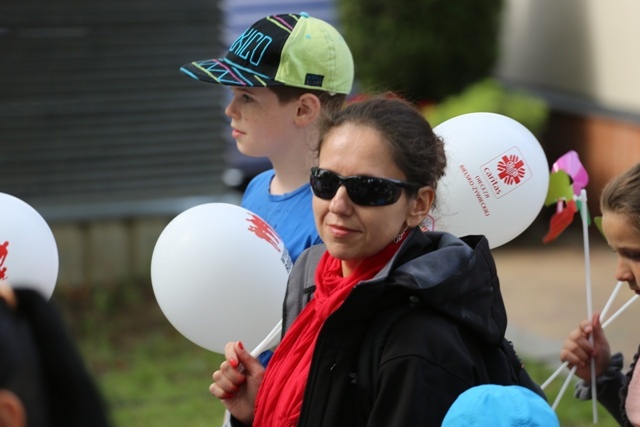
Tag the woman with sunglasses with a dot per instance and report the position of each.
(379, 163)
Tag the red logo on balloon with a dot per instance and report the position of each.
(511, 169)
(4, 252)
(264, 231)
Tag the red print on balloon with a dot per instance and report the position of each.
(511, 169)
(261, 229)
(4, 251)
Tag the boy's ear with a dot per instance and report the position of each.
(309, 108)
(11, 410)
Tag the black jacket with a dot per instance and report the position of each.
(431, 354)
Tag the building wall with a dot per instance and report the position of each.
(584, 48)
(101, 133)
(581, 56)
(94, 108)
(606, 146)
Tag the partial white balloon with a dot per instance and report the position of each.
(219, 274)
(28, 250)
(496, 180)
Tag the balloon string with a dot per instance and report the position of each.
(554, 375)
(604, 325)
(620, 310)
(272, 339)
(604, 311)
(563, 388)
(602, 316)
(587, 262)
(587, 267)
(565, 364)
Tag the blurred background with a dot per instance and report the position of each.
(103, 136)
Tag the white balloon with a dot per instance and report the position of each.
(28, 250)
(496, 180)
(219, 274)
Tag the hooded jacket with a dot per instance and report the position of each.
(429, 356)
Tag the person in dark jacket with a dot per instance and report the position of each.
(43, 379)
(618, 393)
(340, 362)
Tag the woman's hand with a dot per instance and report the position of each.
(237, 381)
(578, 351)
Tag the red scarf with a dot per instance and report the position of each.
(279, 399)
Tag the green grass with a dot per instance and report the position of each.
(151, 375)
(571, 411)
(161, 380)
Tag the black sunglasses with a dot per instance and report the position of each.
(362, 190)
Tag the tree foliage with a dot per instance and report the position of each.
(422, 49)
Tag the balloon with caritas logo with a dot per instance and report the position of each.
(28, 250)
(496, 180)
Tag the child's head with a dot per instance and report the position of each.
(620, 205)
(43, 378)
(291, 54)
(622, 196)
(500, 406)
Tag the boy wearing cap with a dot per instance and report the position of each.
(285, 72)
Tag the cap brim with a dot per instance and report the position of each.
(223, 72)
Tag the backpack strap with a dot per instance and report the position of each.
(521, 375)
(503, 365)
(301, 284)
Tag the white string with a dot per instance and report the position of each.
(554, 375)
(565, 364)
(272, 339)
(603, 314)
(620, 310)
(563, 388)
(587, 268)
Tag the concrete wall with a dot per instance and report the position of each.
(582, 57)
(106, 252)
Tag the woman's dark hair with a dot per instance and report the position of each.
(40, 363)
(416, 149)
(621, 195)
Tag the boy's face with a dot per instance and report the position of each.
(260, 124)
